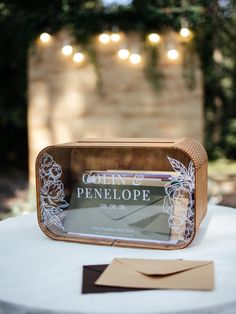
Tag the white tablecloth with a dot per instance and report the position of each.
(40, 275)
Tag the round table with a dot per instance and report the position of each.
(40, 275)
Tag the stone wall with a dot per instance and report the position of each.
(64, 103)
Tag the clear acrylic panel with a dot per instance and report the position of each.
(140, 194)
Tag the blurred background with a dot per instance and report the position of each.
(74, 69)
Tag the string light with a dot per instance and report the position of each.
(78, 57)
(104, 38)
(115, 37)
(154, 38)
(45, 38)
(185, 32)
(123, 54)
(135, 58)
(172, 54)
(67, 50)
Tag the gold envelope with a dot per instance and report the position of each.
(158, 274)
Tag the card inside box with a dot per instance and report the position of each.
(119, 210)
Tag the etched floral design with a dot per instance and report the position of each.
(179, 201)
(52, 196)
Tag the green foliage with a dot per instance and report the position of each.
(152, 71)
(21, 21)
(231, 139)
(189, 65)
(216, 46)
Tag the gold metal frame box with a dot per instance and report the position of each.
(147, 193)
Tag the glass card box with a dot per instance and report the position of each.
(148, 193)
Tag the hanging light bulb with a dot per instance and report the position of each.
(45, 38)
(78, 57)
(104, 38)
(154, 38)
(172, 54)
(123, 54)
(115, 34)
(185, 32)
(67, 50)
(115, 37)
(135, 58)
